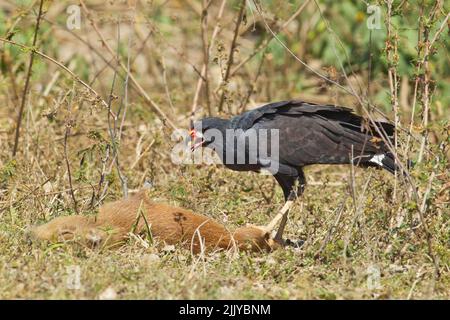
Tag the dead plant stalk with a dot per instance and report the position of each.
(27, 81)
(231, 55)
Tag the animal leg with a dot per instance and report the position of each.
(282, 226)
(281, 215)
(294, 193)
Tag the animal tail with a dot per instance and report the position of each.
(387, 161)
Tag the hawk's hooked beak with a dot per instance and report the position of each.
(197, 139)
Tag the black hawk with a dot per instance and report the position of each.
(306, 134)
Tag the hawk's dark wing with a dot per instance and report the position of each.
(316, 134)
(341, 115)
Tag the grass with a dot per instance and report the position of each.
(136, 272)
(359, 243)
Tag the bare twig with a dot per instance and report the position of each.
(417, 80)
(62, 66)
(204, 67)
(166, 86)
(138, 87)
(419, 276)
(426, 97)
(392, 57)
(87, 43)
(363, 103)
(27, 81)
(408, 177)
(268, 40)
(7, 59)
(422, 211)
(252, 85)
(320, 75)
(231, 55)
(331, 230)
(69, 125)
(113, 130)
(358, 203)
(204, 33)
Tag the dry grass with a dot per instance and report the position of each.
(352, 222)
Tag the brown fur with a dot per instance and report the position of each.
(171, 224)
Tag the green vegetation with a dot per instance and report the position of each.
(72, 156)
